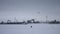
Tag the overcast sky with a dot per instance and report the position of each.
(28, 9)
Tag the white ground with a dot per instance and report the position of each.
(26, 29)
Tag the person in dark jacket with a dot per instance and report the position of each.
(31, 26)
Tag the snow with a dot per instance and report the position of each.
(26, 29)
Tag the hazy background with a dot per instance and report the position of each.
(28, 9)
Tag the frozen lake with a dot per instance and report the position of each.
(26, 29)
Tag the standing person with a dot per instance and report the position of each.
(31, 26)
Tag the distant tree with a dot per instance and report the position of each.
(2, 22)
(28, 21)
(54, 20)
(8, 21)
(24, 22)
(33, 20)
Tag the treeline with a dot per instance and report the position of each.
(32, 21)
(23, 22)
(54, 22)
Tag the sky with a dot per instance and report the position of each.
(29, 9)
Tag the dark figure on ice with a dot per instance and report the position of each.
(31, 26)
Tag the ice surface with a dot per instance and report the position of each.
(26, 29)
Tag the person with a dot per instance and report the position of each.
(31, 26)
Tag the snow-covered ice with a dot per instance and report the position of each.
(26, 29)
